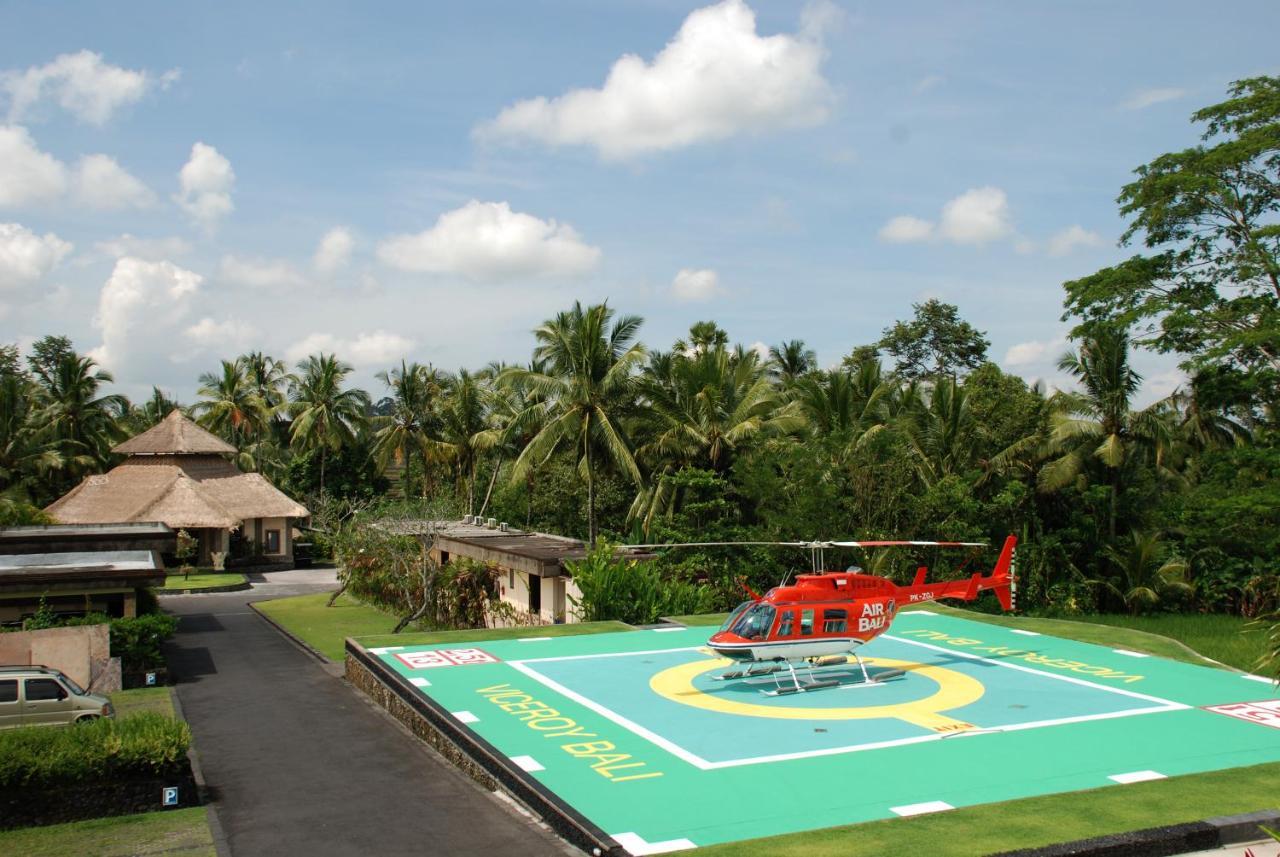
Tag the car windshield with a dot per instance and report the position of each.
(755, 623)
(733, 617)
(71, 685)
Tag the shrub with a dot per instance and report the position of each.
(140, 745)
(137, 642)
(632, 592)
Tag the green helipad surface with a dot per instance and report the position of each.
(631, 730)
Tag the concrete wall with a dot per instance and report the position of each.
(82, 652)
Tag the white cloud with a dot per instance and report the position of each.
(261, 273)
(695, 286)
(145, 248)
(487, 241)
(206, 181)
(100, 182)
(1035, 351)
(905, 229)
(27, 174)
(716, 78)
(1072, 237)
(82, 84)
(761, 350)
(227, 336)
(138, 307)
(1144, 98)
(334, 251)
(366, 349)
(929, 82)
(26, 257)
(976, 217)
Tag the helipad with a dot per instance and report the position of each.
(633, 731)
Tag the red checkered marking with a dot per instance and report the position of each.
(445, 658)
(1266, 713)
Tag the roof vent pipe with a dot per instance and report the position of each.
(503, 526)
(468, 519)
(493, 523)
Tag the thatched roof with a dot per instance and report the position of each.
(175, 435)
(164, 490)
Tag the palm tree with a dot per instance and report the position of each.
(83, 425)
(464, 430)
(232, 407)
(941, 435)
(151, 412)
(792, 360)
(516, 414)
(414, 390)
(27, 455)
(1143, 573)
(1099, 422)
(838, 402)
(325, 416)
(589, 386)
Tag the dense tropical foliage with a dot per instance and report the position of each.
(1120, 505)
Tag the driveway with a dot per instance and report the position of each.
(299, 763)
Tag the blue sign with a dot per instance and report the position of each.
(151, 679)
(169, 796)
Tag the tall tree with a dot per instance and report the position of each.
(1099, 423)
(47, 353)
(588, 383)
(231, 407)
(1210, 289)
(83, 423)
(325, 416)
(464, 430)
(935, 343)
(414, 391)
(792, 360)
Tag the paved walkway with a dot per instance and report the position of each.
(299, 763)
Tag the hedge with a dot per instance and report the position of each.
(143, 744)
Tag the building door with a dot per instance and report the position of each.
(535, 594)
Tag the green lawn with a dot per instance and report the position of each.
(326, 629)
(1032, 822)
(183, 832)
(203, 580)
(140, 699)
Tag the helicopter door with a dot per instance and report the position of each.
(786, 625)
(806, 623)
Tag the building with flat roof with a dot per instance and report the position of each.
(180, 475)
(80, 569)
(534, 577)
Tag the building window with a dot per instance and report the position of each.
(271, 541)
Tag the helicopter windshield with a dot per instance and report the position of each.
(733, 617)
(755, 623)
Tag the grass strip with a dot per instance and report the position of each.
(203, 581)
(183, 832)
(153, 699)
(326, 629)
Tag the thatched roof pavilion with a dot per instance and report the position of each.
(177, 474)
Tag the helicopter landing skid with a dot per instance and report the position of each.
(753, 672)
(810, 680)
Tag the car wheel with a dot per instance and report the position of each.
(88, 718)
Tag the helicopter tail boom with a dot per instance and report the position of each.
(1000, 581)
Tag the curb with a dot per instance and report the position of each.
(295, 639)
(220, 845)
(1162, 841)
(231, 587)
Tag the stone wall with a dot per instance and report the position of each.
(82, 652)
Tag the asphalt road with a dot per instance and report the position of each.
(299, 763)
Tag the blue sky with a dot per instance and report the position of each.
(181, 183)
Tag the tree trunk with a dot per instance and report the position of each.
(336, 593)
(323, 449)
(497, 465)
(408, 482)
(591, 488)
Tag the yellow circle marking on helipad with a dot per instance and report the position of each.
(955, 690)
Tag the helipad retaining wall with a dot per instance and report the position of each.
(472, 754)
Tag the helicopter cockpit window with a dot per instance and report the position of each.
(834, 620)
(733, 617)
(755, 623)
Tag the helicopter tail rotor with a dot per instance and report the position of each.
(1003, 573)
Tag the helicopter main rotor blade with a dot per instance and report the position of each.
(721, 545)
(890, 544)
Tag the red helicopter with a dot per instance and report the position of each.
(820, 619)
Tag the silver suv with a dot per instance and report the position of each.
(43, 696)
